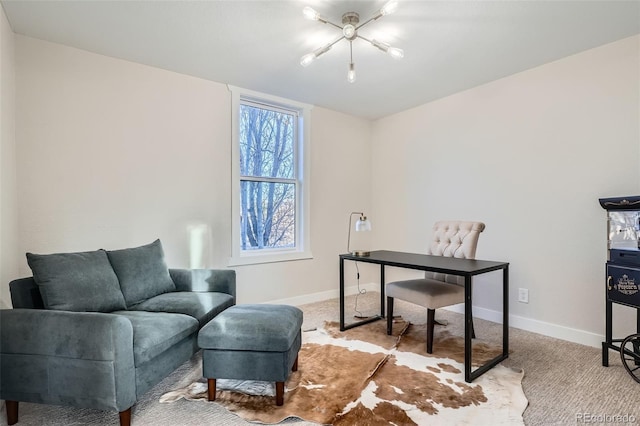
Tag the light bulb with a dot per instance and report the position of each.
(395, 52)
(349, 32)
(351, 74)
(310, 57)
(307, 59)
(389, 8)
(311, 14)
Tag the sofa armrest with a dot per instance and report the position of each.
(60, 357)
(218, 280)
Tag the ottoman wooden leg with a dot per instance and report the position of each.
(125, 417)
(295, 364)
(211, 389)
(279, 393)
(12, 412)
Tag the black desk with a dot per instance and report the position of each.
(446, 265)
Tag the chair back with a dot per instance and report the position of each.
(454, 239)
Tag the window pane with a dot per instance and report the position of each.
(266, 142)
(268, 215)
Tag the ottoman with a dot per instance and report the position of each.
(251, 342)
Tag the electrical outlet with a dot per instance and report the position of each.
(523, 295)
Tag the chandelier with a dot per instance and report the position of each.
(350, 26)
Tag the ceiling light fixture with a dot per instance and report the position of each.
(350, 26)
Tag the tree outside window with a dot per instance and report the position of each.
(267, 177)
(271, 181)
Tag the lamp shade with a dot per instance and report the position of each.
(363, 224)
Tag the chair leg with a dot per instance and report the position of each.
(279, 393)
(211, 389)
(125, 417)
(389, 315)
(431, 313)
(12, 412)
(295, 364)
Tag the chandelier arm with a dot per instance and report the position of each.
(331, 23)
(374, 44)
(351, 51)
(366, 39)
(334, 42)
(310, 57)
(367, 21)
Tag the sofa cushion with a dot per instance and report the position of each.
(261, 328)
(82, 281)
(142, 272)
(155, 332)
(201, 306)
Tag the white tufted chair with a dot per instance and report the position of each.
(436, 290)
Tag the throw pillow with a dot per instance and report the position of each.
(142, 272)
(81, 281)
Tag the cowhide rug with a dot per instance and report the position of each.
(362, 376)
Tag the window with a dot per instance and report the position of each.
(270, 179)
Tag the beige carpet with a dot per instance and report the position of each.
(562, 380)
(363, 376)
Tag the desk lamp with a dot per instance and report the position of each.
(362, 224)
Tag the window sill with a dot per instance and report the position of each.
(257, 258)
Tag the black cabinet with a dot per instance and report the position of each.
(622, 285)
(623, 264)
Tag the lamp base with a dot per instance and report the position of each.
(360, 253)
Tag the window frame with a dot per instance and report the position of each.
(302, 249)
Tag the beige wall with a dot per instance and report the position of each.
(114, 154)
(8, 189)
(530, 155)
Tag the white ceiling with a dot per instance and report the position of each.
(449, 45)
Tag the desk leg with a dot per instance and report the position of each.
(382, 298)
(342, 294)
(505, 312)
(471, 375)
(343, 326)
(467, 329)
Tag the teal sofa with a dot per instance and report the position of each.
(99, 329)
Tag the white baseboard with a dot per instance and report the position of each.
(528, 324)
(324, 295)
(541, 327)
